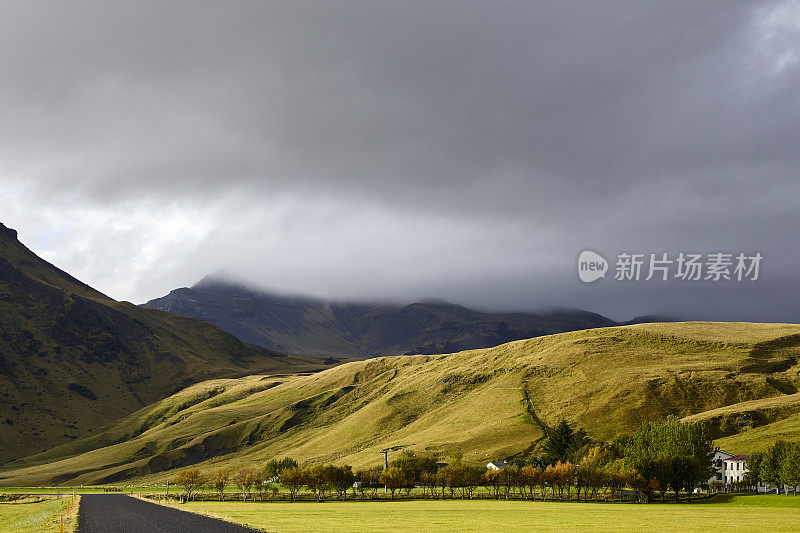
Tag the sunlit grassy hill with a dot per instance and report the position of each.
(490, 403)
(73, 359)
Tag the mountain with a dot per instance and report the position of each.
(72, 359)
(491, 403)
(323, 329)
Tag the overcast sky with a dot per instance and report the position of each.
(400, 150)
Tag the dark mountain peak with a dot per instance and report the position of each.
(433, 301)
(215, 280)
(7, 232)
(327, 328)
(645, 319)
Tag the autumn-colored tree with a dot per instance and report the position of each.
(244, 478)
(318, 480)
(561, 476)
(293, 479)
(493, 481)
(189, 479)
(530, 476)
(220, 480)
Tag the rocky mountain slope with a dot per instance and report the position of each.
(322, 328)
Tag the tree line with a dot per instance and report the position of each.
(779, 466)
(657, 459)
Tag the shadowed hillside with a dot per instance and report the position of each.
(321, 328)
(490, 403)
(73, 359)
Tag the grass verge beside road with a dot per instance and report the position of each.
(36, 514)
(724, 513)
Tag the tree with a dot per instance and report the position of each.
(428, 481)
(261, 483)
(415, 466)
(244, 478)
(341, 479)
(563, 443)
(493, 481)
(754, 475)
(562, 475)
(472, 479)
(590, 473)
(318, 480)
(220, 480)
(369, 480)
(394, 478)
(273, 468)
(509, 479)
(408, 463)
(531, 477)
(189, 479)
(790, 467)
(293, 479)
(672, 453)
(772, 463)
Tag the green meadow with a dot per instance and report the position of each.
(722, 513)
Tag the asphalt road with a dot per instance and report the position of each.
(118, 513)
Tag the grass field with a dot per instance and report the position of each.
(724, 513)
(32, 515)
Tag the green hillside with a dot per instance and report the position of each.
(490, 403)
(73, 359)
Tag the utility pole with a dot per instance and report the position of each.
(385, 465)
(385, 458)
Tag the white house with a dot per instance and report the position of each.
(734, 469)
(718, 463)
(496, 465)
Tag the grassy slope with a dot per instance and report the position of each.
(743, 513)
(56, 331)
(607, 380)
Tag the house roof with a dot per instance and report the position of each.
(738, 457)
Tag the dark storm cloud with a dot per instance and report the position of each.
(466, 150)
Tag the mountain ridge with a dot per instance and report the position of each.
(328, 328)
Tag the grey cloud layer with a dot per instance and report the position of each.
(466, 150)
